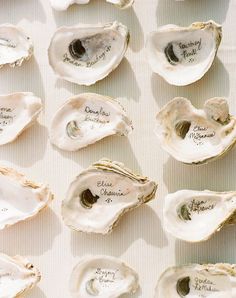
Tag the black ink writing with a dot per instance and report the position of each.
(6, 117)
(96, 112)
(190, 49)
(200, 206)
(67, 59)
(106, 190)
(97, 115)
(3, 209)
(105, 276)
(204, 285)
(200, 133)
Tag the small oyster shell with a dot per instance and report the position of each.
(196, 215)
(64, 4)
(194, 280)
(183, 55)
(17, 112)
(85, 54)
(20, 199)
(15, 46)
(100, 195)
(102, 276)
(196, 136)
(17, 276)
(87, 118)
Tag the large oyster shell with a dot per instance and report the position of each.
(102, 276)
(100, 195)
(196, 215)
(183, 55)
(20, 199)
(84, 54)
(17, 276)
(194, 280)
(17, 112)
(15, 46)
(196, 136)
(87, 118)
(64, 4)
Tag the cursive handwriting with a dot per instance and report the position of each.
(106, 190)
(204, 285)
(199, 133)
(6, 117)
(200, 206)
(67, 59)
(190, 49)
(106, 275)
(96, 112)
(96, 115)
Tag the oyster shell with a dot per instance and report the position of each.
(84, 54)
(195, 216)
(20, 199)
(194, 280)
(87, 118)
(17, 112)
(100, 195)
(196, 136)
(17, 276)
(15, 46)
(64, 4)
(102, 276)
(183, 55)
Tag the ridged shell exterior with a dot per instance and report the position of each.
(15, 46)
(20, 199)
(194, 280)
(195, 136)
(87, 118)
(17, 276)
(102, 276)
(182, 55)
(100, 49)
(195, 216)
(18, 111)
(100, 195)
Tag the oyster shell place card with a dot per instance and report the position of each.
(18, 111)
(196, 136)
(100, 195)
(85, 54)
(182, 55)
(87, 118)
(195, 216)
(20, 199)
(102, 276)
(17, 276)
(194, 280)
(64, 4)
(15, 46)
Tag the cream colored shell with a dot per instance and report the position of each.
(20, 199)
(196, 136)
(85, 54)
(18, 111)
(64, 4)
(195, 216)
(100, 195)
(87, 118)
(17, 276)
(194, 280)
(182, 55)
(15, 46)
(102, 277)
